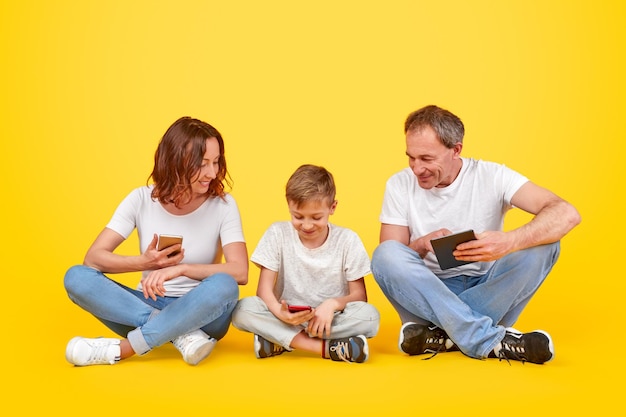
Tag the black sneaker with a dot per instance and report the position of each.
(349, 349)
(417, 339)
(534, 347)
(264, 348)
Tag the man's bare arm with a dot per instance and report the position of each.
(554, 217)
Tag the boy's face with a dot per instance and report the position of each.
(311, 220)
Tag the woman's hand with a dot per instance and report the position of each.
(153, 283)
(158, 259)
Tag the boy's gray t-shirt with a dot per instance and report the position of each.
(310, 276)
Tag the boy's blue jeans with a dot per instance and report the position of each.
(148, 323)
(474, 311)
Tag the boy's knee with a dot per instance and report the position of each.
(247, 304)
(245, 308)
(363, 311)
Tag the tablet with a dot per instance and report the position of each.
(444, 246)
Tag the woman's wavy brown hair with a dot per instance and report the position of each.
(178, 159)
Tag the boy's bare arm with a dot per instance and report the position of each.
(265, 290)
(356, 292)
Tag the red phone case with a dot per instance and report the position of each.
(294, 309)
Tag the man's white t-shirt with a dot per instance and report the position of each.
(205, 231)
(310, 276)
(477, 199)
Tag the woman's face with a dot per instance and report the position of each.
(209, 168)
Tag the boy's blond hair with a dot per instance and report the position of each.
(310, 183)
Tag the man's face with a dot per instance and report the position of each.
(433, 164)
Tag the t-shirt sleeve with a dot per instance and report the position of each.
(512, 181)
(357, 264)
(267, 253)
(395, 204)
(232, 229)
(124, 219)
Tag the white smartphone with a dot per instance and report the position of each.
(165, 241)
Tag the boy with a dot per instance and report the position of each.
(312, 263)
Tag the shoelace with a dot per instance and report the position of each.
(438, 339)
(275, 349)
(342, 350)
(509, 351)
(99, 353)
(181, 342)
(441, 345)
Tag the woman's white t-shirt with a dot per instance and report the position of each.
(205, 231)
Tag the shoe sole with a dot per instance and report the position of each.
(401, 338)
(69, 350)
(550, 343)
(257, 346)
(366, 348)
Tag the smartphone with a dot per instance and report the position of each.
(295, 309)
(165, 241)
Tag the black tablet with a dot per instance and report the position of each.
(444, 246)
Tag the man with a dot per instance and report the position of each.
(470, 307)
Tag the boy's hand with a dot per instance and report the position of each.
(294, 318)
(320, 325)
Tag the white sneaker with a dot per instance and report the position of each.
(194, 346)
(82, 351)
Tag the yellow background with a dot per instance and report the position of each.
(88, 88)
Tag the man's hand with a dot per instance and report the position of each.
(422, 245)
(488, 246)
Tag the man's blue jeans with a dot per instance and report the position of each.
(148, 323)
(474, 311)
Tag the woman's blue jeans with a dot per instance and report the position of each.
(150, 323)
(474, 311)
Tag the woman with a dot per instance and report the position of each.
(186, 294)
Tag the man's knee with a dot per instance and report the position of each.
(547, 254)
(386, 259)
